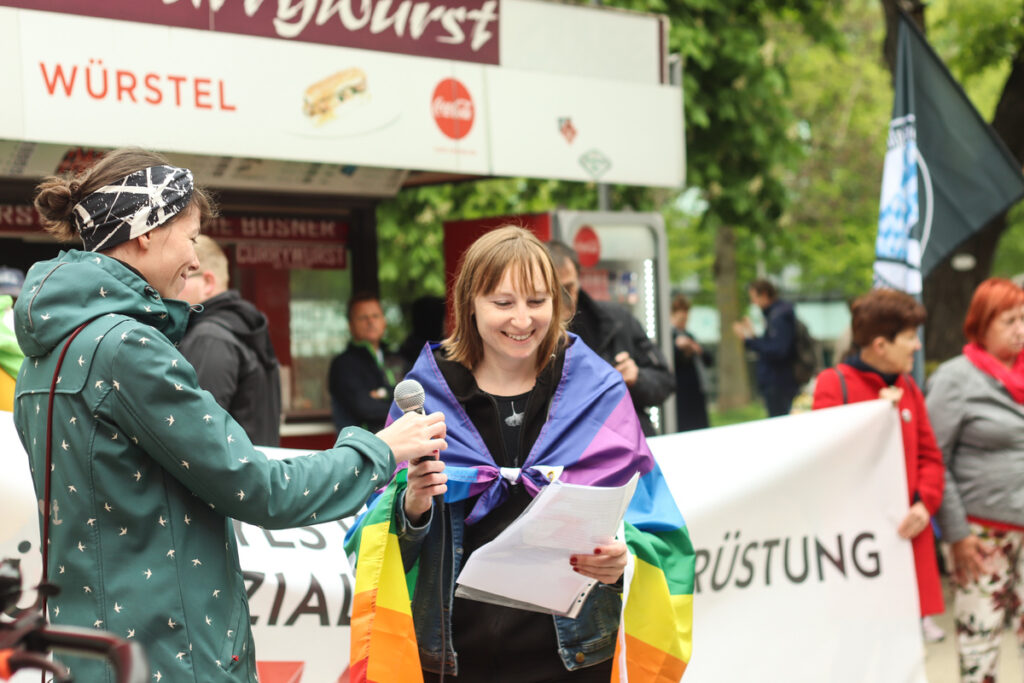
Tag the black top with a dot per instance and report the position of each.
(353, 375)
(691, 403)
(495, 643)
(511, 410)
(859, 364)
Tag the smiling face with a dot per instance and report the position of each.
(1004, 337)
(513, 320)
(168, 254)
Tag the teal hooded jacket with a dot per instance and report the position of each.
(147, 469)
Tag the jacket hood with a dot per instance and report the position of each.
(77, 286)
(245, 321)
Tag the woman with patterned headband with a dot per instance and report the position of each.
(145, 468)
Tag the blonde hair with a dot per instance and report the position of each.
(506, 249)
(56, 196)
(211, 257)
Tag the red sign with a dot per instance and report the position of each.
(19, 218)
(22, 219)
(289, 256)
(244, 228)
(587, 246)
(77, 160)
(464, 30)
(452, 107)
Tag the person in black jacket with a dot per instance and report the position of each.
(362, 378)
(228, 343)
(690, 361)
(776, 348)
(615, 335)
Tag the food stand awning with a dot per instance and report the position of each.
(343, 96)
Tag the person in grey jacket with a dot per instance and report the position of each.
(976, 404)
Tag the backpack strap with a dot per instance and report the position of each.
(842, 385)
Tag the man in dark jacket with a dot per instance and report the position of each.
(228, 343)
(362, 379)
(615, 335)
(776, 348)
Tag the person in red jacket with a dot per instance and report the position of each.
(885, 326)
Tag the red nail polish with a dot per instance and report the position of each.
(576, 569)
(597, 551)
(572, 560)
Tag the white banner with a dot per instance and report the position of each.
(801, 576)
(800, 573)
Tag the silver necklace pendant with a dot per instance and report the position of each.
(515, 419)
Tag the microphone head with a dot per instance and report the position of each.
(409, 396)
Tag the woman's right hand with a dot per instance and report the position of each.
(415, 436)
(426, 479)
(971, 559)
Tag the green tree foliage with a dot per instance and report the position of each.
(843, 98)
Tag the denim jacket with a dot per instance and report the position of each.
(583, 641)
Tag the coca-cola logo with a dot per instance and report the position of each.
(453, 110)
(588, 246)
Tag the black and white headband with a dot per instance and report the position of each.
(133, 206)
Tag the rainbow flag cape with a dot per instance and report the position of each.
(10, 358)
(592, 436)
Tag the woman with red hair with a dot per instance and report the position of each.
(976, 402)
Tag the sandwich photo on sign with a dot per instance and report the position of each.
(324, 97)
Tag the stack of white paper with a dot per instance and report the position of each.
(527, 565)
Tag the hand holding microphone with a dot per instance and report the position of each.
(415, 434)
(426, 478)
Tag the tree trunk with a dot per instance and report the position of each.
(947, 292)
(733, 382)
(891, 8)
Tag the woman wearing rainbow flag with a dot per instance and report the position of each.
(525, 403)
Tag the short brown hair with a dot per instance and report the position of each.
(360, 297)
(483, 266)
(680, 302)
(57, 196)
(991, 298)
(884, 313)
(764, 287)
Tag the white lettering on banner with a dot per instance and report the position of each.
(125, 85)
(798, 564)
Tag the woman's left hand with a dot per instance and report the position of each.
(606, 564)
(915, 522)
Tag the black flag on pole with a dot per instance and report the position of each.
(946, 172)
